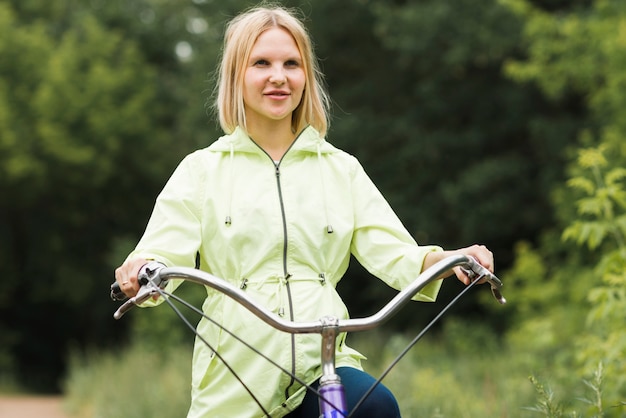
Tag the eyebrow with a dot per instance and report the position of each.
(266, 56)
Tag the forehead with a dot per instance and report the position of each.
(275, 41)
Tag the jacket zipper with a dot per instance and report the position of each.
(285, 272)
(287, 276)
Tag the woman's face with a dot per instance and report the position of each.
(274, 78)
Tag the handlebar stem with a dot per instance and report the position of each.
(329, 333)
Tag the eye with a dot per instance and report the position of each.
(292, 63)
(260, 62)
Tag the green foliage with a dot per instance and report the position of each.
(595, 386)
(577, 53)
(430, 381)
(20, 69)
(602, 211)
(580, 52)
(437, 132)
(97, 107)
(464, 152)
(567, 39)
(78, 115)
(548, 405)
(141, 381)
(547, 294)
(161, 325)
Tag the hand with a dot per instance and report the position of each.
(479, 252)
(126, 275)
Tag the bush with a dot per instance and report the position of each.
(136, 382)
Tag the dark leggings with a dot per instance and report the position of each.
(379, 404)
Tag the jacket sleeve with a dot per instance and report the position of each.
(381, 243)
(173, 233)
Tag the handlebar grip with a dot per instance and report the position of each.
(146, 272)
(116, 292)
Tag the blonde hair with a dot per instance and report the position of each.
(240, 35)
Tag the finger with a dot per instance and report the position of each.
(484, 257)
(462, 276)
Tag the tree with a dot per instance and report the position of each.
(77, 124)
(443, 129)
(582, 53)
(100, 100)
(463, 153)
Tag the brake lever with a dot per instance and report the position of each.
(494, 282)
(145, 292)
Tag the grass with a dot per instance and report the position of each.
(471, 377)
(138, 382)
(428, 382)
(434, 381)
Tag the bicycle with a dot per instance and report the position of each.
(331, 395)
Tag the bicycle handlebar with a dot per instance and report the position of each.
(152, 280)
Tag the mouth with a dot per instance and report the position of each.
(277, 94)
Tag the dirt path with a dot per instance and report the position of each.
(31, 407)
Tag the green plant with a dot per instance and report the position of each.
(140, 381)
(596, 387)
(601, 226)
(546, 404)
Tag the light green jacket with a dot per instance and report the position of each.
(265, 226)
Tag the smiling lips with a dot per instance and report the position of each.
(277, 94)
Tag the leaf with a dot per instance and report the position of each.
(582, 183)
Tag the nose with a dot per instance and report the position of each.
(277, 76)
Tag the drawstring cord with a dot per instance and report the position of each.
(329, 227)
(281, 283)
(228, 219)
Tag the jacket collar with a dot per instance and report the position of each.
(309, 140)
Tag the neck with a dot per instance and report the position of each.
(274, 138)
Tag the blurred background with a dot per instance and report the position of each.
(499, 122)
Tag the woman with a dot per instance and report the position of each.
(274, 208)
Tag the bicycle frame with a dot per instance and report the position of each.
(332, 398)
